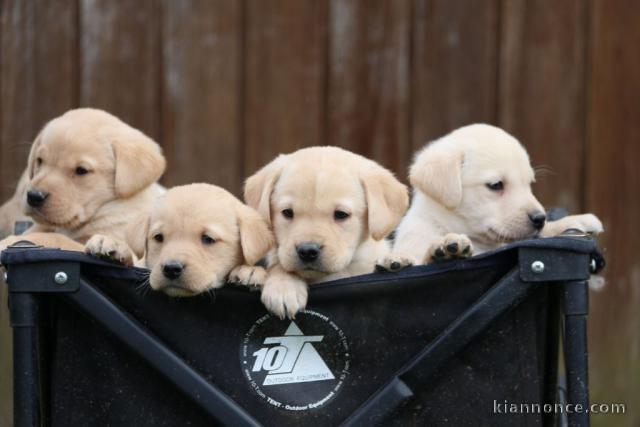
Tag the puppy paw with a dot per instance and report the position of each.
(452, 246)
(248, 275)
(284, 296)
(394, 262)
(587, 223)
(109, 248)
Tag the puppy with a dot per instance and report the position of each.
(472, 192)
(90, 173)
(330, 210)
(195, 236)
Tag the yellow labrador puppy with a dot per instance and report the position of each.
(196, 236)
(472, 192)
(330, 210)
(90, 173)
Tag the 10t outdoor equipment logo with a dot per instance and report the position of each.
(298, 364)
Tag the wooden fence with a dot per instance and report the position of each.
(225, 85)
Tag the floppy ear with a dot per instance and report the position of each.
(259, 186)
(136, 236)
(139, 161)
(31, 161)
(387, 201)
(438, 173)
(255, 237)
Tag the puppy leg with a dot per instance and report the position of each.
(412, 242)
(587, 223)
(48, 240)
(110, 248)
(284, 294)
(248, 275)
(452, 246)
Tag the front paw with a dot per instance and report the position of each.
(109, 248)
(248, 275)
(450, 247)
(587, 223)
(284, 296)
(394, 262)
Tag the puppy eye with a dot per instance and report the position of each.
(158, 238)
(207, 240)
(287, 213)
(81, 171)
(340, 215)
(39, 161)
(496, 186)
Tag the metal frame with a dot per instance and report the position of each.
(565, 270)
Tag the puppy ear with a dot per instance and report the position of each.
(259, 186)
(31, 161)
(438, 173)
(255, 237)
(139, 161)
(387, 200)
(136, 236)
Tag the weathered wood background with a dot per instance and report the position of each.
(226, 85)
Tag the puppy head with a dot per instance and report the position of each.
(322, 203)
(196, 234)
(84, 159)
(482, 176)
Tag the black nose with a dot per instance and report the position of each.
(537, 219)
(36, 198)
(172, 269)
(308, 251)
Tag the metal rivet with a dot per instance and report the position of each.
(60, 278)
(537, 267)
(593, 265)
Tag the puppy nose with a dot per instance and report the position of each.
(537, 219)
(173, 269)
(308, 251)
(36, 198)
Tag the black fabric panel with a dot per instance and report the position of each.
(386, 319)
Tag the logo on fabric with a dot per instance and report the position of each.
(289, 362)
(292, 360)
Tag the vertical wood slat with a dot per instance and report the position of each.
(368, 79)
(37, 82)
(284, 78)
(454, 70)
(120, 60)
(612, 191)
(201, 123)
(543, 91)
(38, 76)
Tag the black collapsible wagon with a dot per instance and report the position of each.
(450, 344)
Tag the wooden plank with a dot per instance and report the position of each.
(284, 78)
(613, 180)
(543, 91)
(454, 70)
(201, 101)
(368, 86)
(38, 76)
(37, 82)
(120, 60)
